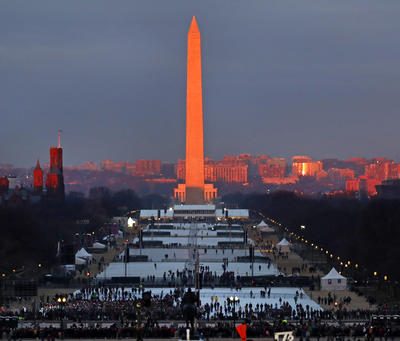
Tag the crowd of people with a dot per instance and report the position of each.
(303, 330)
(121, 304)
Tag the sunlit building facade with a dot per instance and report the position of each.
(305, 166)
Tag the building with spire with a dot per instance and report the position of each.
(55, 178)
(194, 190)
(38, 178)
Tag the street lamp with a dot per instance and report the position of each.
(61, 300)
(233, 300)
(139, 336)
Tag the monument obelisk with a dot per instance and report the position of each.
(194, 167)
(194, 191)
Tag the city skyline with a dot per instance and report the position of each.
(282, 80)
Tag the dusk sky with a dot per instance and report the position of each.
(279, 77)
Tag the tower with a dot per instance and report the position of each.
(194, 191)
(38, 178)
(55, 177)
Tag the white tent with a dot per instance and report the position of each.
(80, 261)
(333, 281)
(283, 246)
(82, 253)
(98, 245)
(131, 222)
(264, 227)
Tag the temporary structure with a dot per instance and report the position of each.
(283, 246)
(80, 261)
(98, 245)
(333, 281)
(264, 227)
(83, 254)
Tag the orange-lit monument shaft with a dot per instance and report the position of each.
(194, 119)
(194, 191)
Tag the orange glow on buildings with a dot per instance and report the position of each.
(305, 166)
(272, 168)
(340, 174)
(226, 170)
(382, 169)
(231, 171)
(352, 185)
(362, 185)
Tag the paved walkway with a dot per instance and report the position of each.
(357, 302)
(293, 260)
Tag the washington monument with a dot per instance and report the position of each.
(194, 191)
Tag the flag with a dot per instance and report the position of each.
(242, 331)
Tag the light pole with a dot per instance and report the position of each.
(139, 336)
(61, 300)
(233, 300)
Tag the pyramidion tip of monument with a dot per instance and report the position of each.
(194, 27)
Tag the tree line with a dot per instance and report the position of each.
(365, 232)
(30, 232)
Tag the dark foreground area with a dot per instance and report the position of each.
(257, 330)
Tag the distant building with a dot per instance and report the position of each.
(226, 170)
(130, 168)
(363, 186)
(86, 166)
(111, 166)
(352, 186)
(272, 168)
(389, 189)
(231, 171)
(13, 182)
(340, 174)
(4, 184)
(180, 170)
(146, 168)
(55, 178)
(287, 180)
(382, 169)
(305, 166)
(38, 178)
(368, 186)
(168, 170)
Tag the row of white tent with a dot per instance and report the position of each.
(83, 257)
(283, 245)
(333, 281)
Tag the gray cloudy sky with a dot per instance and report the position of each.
(279, 77)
